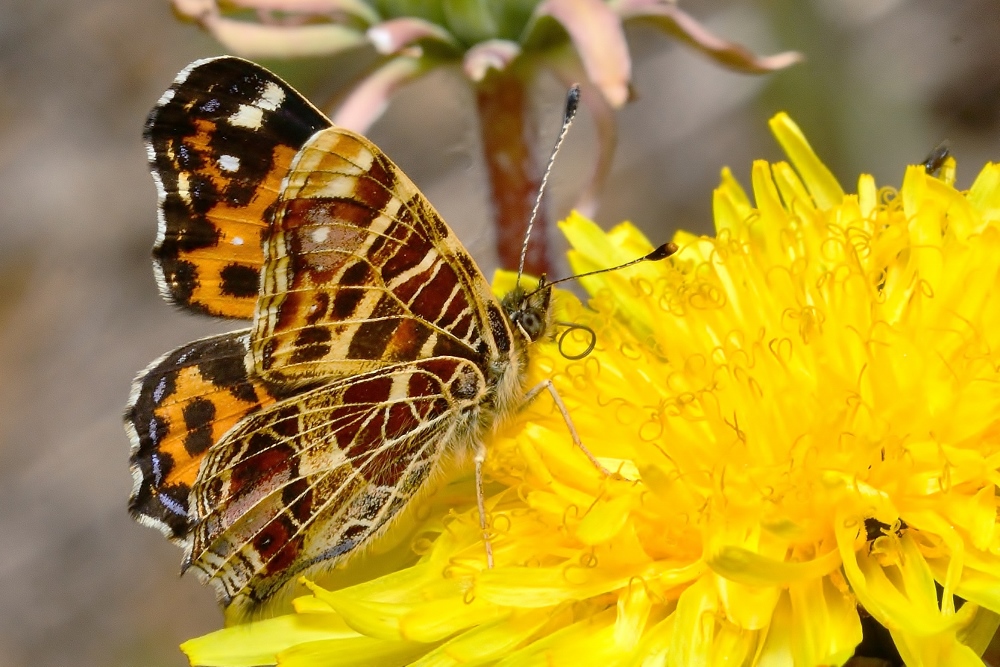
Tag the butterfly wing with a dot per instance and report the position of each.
(361, 272)
(220, 141)
(371, 321)
(180, 406)
(308, 480)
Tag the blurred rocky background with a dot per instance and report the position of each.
(80, 583)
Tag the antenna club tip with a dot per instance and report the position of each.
(664, 251)
(572, 102)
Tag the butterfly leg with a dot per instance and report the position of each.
(481, 502)
(546, 385)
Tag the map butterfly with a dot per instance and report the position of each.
(376, 349)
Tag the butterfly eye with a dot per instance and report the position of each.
(531, 323)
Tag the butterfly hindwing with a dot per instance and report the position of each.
(361, 272)
(180, 406)
(310, 479)
(220, 141)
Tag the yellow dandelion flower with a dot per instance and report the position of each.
(803, 417)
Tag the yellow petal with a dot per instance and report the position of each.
(634, 606)
(981, 629)
(487, 642)
(604, 519)
(984, 194)
(823, 187)
(439, 619)
(353, 652)
(260, 642)
(902, 595)
(587, 643)
(754, 569)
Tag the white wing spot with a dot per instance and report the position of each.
(160, 390)
(183, 187)
(229, 163)
(248, 116)
(272, 97)
(237, 240)
(320, 234)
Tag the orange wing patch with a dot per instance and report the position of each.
(182, 405)
(220, 141)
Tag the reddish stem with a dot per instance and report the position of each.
(510, 138)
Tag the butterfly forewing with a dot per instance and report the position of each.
(307, 481)
(361, 272)
(181, 405)
(220, 142)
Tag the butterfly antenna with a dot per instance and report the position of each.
(664, 251)
(572, 102)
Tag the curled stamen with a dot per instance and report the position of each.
(501, 524)
(570, 328)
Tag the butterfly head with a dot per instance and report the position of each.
(528, 312)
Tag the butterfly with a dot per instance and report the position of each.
(376, 352)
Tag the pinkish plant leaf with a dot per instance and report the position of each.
(492, 54)
(596, 33)
(394, 35)
(317, 8)
(254, 40)
(369, 99)
(262, 40)
(672, 20)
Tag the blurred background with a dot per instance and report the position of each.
(884, 81)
